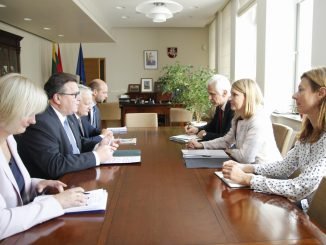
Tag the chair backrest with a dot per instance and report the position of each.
(110, 114)
(283, 137)
(141, 120)
(317, 206)
(180, 115)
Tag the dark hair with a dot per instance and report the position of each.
(56, 82)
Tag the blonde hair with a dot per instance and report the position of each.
(19, 97)
(252, 93)
(317, 80)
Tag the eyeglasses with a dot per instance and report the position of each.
(73, 94)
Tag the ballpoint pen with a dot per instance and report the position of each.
(188, 125)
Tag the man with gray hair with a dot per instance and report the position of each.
(85, 128)
(218, 88)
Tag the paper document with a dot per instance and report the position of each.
(96, 202)
(204, 154)
(125, 156)
(183, 138)
(229, 182)
(131, 141)
(118, 129)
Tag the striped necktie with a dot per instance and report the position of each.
(71, 137)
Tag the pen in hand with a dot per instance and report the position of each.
(188, 125)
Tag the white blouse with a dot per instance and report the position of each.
(252, 140)
(310, 159)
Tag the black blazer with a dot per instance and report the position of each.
(97, 115)
(46, 151)
(90, 133)
(212, 128)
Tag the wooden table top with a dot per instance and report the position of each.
(159, 201)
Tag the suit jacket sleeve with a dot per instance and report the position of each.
(211, 128)
(46, 151)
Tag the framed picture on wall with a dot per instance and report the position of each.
(150, 59)
(133, 88)
(146, 85)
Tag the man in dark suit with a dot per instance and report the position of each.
(86, 130)
(218, 88)
(100, 93)
(53, 146)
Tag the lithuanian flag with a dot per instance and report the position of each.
(56, 60)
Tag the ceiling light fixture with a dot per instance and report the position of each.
(159, 10)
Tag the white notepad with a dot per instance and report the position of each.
(229, 182)
(96, 202)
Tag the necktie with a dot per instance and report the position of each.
(71, 137)
(220, 119)
(94, 117)
(81, 127)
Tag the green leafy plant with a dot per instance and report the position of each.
(188, 87)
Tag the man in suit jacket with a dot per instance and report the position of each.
(47, 148)
(100, 94)
(86, 130)
(218, 88)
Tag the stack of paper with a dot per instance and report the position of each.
(125, 156)
(131, 141)
(183, 138)
(96, 202)
(229, 182)
(204, 158)
(118, 129)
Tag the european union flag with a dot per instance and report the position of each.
(80, 70)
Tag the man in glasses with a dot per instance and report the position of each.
(53, 146)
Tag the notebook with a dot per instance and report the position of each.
(96, 202)
(229, 182)
(204, 158)
(125, 156)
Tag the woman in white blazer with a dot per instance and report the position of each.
(20, 100)
(251, 138)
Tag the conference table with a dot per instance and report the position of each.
(160, 201)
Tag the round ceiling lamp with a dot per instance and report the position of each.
(159, 10)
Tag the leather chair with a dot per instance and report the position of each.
(317, 206)
(110, 114)
(180, 116)
(283, 137)
(141, 120)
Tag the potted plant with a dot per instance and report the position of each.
(188, 87)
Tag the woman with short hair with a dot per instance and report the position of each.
(20, 100)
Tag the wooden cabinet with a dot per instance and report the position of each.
(94, 68)
(9, 52)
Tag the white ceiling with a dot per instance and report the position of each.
(95, 20)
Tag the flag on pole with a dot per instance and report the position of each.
(59, 62)
(80, 66)
(54, 59)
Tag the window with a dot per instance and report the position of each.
(246, 43)
(303, 38)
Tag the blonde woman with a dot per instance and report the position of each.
(251, 138)
(20, 100)
(308, 156)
